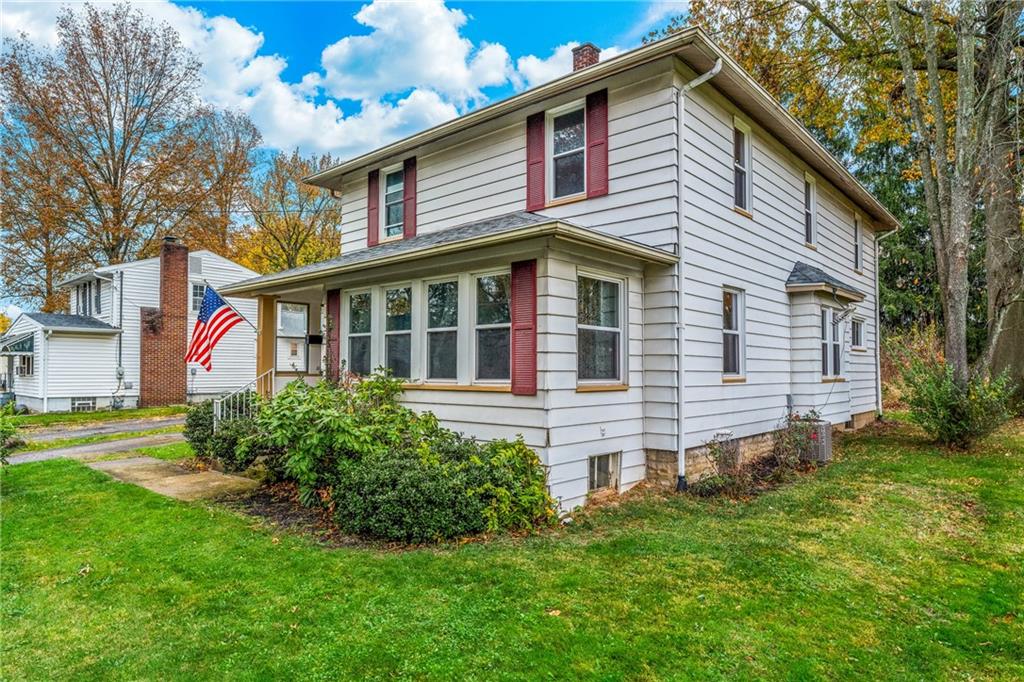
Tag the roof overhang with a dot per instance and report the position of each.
(826, 288)
(554, 229)
(81, 277)
(18, 344)
(696, 50)
(82, 330)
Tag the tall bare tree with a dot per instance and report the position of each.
(950, 160)
(117, 100)
(292, 223)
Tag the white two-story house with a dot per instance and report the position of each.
(615, 265)
(124, 339)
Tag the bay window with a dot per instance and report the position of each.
(359, 319)
(442, 330)
(831, 344)
(398, 331)
(567, 144)
(292, 328)
(598, 329)
(493, 327)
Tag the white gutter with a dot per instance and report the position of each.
(680, 293)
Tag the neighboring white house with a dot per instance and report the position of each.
(96, 355)
(616, 265)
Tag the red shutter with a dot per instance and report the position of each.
(373, 208)
(524, 327)
(333, 336)
(597, 143)
(409, 199)
(535, 162)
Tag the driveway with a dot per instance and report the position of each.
(94, 450)
(62, 432)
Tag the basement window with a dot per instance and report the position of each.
(83, 404)
(604, 472)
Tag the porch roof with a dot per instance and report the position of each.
(503, 229)
(18, 344)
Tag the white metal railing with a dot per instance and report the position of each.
(243, 402)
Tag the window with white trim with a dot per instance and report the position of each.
(733, 352)
(198, 293)
(857, 333)
(810, 210)
(443, 330)
(398, 331)
(392, 202)
(360, 317)
(26, 366)
(492, 325)
(741, 181)
(831, 344)
(566, 144)
(599, 322)
(292, 330)
(603, 472)
(858, 245)
(98, 298)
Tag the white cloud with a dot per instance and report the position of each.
(412, 70)
(654, 17)
(12, 311)
(533, 70)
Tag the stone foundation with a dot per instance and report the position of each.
(859, 421)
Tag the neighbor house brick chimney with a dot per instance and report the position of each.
(585, 55)
(165, 332)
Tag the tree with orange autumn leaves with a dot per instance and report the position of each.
(106, 147)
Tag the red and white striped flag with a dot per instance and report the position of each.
(216, 317)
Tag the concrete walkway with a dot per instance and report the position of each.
(60, 432)
(94, 450)
(171, 480)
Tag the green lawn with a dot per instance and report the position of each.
(55, 418)
(899, 561)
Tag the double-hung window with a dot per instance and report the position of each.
(393, 215)
(26, 366)
(567, 145)
(443, 330)
(732, 332)
(810, 210)
(292, 329)
(741, 184)
(831, 344)
(598, 330)
(360, 316)
(493, 327)
(199, 291)
(857, 333)
(398, 331)
(858, 245)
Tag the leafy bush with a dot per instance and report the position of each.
(955, 415)
(388, 472)
(8, 431)
(792, 441)
(199, 426)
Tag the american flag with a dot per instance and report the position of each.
(216, 317)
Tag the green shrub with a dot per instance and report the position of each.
(392, 473)
(8, 432)
(955, 415)
(726, 474)
(199, 427)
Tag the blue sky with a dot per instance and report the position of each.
(345, 77)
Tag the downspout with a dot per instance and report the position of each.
(680, 233)
(46, 370)
(878, 324)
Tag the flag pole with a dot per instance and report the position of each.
(207, 283)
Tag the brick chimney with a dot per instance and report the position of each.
(164, 337)
(585, 55)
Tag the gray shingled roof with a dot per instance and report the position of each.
(503, 223)
(805, 274)
(69, 321)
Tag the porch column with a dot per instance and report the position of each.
(265, 334)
